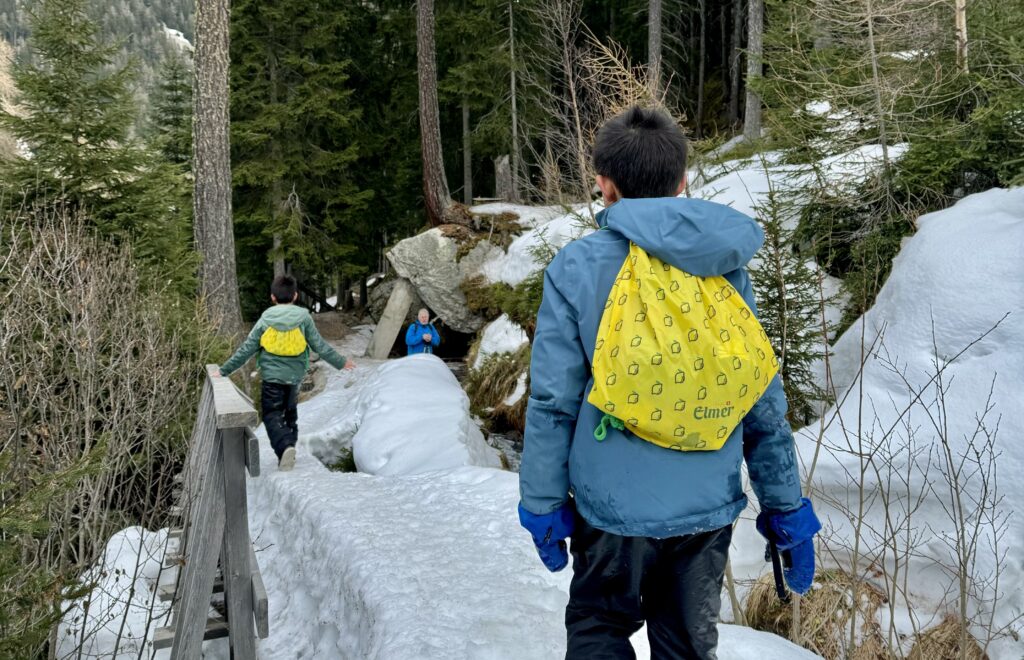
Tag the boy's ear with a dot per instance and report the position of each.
(682, 186)
(295, 297)
(273, 299)
(608, 190)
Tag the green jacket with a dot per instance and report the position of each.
(279, 368)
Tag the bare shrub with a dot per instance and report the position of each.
(101, 367)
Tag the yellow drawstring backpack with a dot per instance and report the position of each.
(287, 343)
(679, 359)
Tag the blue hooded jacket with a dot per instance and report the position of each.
(414, 338)
(626, 485)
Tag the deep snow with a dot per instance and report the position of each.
(501, 335)
(952, 283)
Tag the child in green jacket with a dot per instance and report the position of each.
(282, 337)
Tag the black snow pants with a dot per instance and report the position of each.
(278, 403)
(618, 582)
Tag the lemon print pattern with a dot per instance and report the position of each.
(679, 359)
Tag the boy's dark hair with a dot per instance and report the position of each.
(643, 152)
(284, 289)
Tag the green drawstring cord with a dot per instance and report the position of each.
(601, 432)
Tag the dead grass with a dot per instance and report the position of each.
(943, 643)
(495, 381)
(825, 616)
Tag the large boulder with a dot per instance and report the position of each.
(378, 300)
(436, 262)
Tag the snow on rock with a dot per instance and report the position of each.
(953, 281)
(122, 611)
(502, 335)
(519, 262)
(529, 216)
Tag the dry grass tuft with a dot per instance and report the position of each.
(494, 382)
(825, 616)
(943, 642)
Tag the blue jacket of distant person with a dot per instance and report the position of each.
(414, 338)
(626, 485)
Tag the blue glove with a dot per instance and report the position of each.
(793, 534)
(549, 532)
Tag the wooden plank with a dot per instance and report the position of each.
(202, 545)
(230, 409)
(216, 628)
(237, 546)
(252, 453)
(260, 602)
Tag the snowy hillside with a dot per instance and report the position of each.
(954, 305)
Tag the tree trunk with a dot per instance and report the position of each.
(755, 32)
(515, 110)
(961, 36)
(502, 178)
(700, 69)
(214, 230)
(278, 255)
(734, 62)
(435, 186)
(364, 292)
(467, 156)
(654, 46)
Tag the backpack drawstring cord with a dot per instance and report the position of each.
(601, 432)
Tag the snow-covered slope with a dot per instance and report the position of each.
(955, 280)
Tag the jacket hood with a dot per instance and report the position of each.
(700, 237)
(285, 317)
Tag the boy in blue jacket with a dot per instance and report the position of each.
(649, 528)
(422, 336)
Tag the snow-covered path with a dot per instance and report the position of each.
(431, 565)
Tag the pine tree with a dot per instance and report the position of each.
(75, 115)
(789, 304)
(171, 115)
(294, 138)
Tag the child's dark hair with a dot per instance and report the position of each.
(643, 152)
(284, 289)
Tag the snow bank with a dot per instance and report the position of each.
(500, 336)
(519, 261)
(122, 610)
(951, 284)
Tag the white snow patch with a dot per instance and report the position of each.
(519, 262)
(518, 393)
(177, 38)
(502, 335)
(529, 216)
(122, 611)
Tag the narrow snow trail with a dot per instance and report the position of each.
(430, 565)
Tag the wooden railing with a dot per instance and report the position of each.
(215, 532)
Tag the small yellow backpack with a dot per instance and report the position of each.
(287, 343)
(679, 359)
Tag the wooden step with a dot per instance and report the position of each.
(216, 628)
